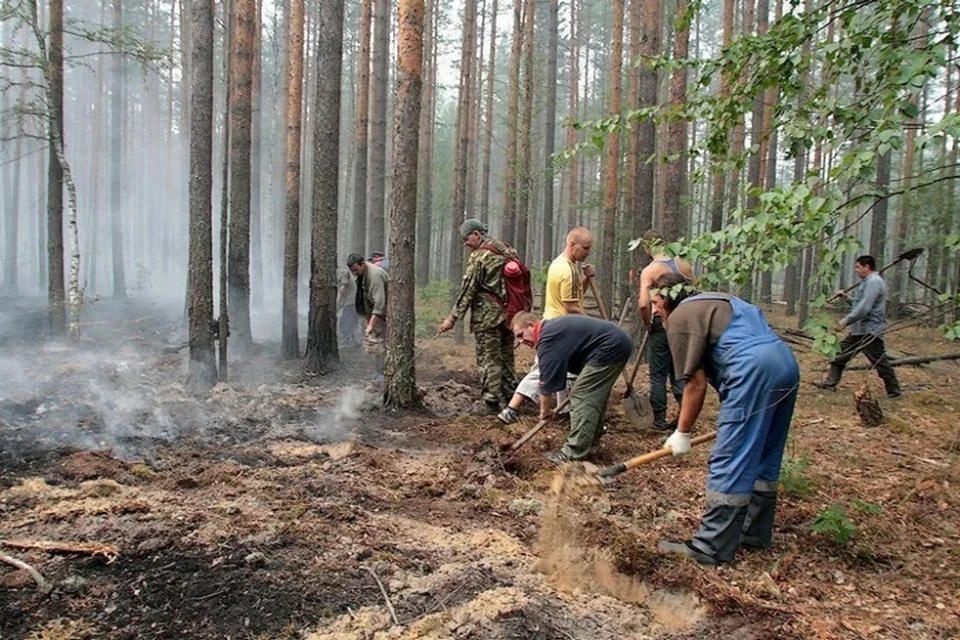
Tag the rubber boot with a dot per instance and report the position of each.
(758, 525)
(832, 379)
(719, 533)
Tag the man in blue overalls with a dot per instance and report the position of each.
(720, 339)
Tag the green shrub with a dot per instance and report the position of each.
(834, 523)
(432, 306)
(793, 476)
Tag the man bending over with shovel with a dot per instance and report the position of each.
(722, 340)
(596, 351)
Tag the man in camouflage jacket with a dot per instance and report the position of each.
(483, 292)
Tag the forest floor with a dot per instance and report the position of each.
(272, 507)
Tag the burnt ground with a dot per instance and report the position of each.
(271, 507)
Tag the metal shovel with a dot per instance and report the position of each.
(637, 407)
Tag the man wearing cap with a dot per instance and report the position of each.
(483, 292)
(594, 350)
(566, 286)
(371, 304)
(719, 339)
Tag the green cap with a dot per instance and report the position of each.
(470, 225)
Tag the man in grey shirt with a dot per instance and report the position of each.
(867, 322)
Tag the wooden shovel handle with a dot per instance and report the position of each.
(633, 463)
(603, 309)
(540, 425)
(636, 367)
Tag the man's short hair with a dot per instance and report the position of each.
(353, 259)
(867, 261)
(652, 234)
(666, 287)
(522, 320)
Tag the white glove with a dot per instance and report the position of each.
(678, 442)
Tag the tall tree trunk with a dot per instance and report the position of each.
(290, 346)
(476, 103)
(117, 108)
(55, 285)
(401, 381)
(509, 222)
(488, 119)
(241, 85)
(223, 323)
(611, 192)
(377, 171)
(675, 176)
(550, 129)
(425, 163)
(202, 370)
(573, 106)
(322, 355)
(878, 221)
(791, 277)
(720, 175)
(358, 242)
(256, 125)
(462, 144)
(757, 136)
(650, 45)
(524, 175)
(631, 219)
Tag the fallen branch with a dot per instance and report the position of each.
(905, 362)
(108, 551)
(383, 590)
(42, 585)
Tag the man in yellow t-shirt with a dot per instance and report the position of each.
(566, 285)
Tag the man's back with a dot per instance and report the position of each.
(661, 265)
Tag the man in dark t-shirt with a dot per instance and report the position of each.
(720, 340)
(596, 351)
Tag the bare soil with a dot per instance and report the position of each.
(271, 507)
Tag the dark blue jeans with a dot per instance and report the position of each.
(661, 369)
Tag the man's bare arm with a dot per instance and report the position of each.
(643, 297)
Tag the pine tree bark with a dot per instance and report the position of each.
(650, 45)
(476, 105)
(611, 192)
(377, 168)
(675, 175)
(462, 145)
(256, 143)
(401, 381)
(202, 369)
(322, 355)
(358, 242)
(488, 119)
(509, 222)
(117, 108)
(632, 164)
(56, 295)
(290, 334)
(550, 129)
(573, 106)
(524, 174)
(757, 137)
(719, 175)
(425, 162)
(241, 85)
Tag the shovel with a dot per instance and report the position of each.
(633, 463)
(537, 427)
(909, 255)
(635, 407)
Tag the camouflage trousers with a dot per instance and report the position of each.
(495, 361)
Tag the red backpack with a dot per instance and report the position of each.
(516, 280)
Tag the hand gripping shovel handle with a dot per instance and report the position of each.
(540, 425)
(632, 463)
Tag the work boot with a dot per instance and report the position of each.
(720, 528)
(758, 524)
(686, 549)
(558, 457)
(826, 385)
(832, 379)
(508, 416)
(485, 408)
(660, 422)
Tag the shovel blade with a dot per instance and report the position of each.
(637, 409)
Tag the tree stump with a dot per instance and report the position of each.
(871, 415)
